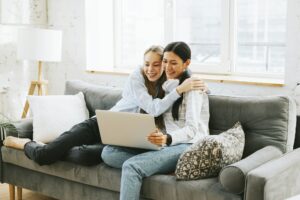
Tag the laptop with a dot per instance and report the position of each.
(126, 129)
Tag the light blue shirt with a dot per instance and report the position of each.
(135, 96)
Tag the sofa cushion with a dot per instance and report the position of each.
(160, 187)
(98, 175)
(206, 157)
(165, 187)
(96, 97)
(267, 121)
(55, 114)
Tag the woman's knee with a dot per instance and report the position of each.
(114, 156)
(85, 155)
(132, 167)
(109, 155)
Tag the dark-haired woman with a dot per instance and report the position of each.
(184, 123)
(141, 92)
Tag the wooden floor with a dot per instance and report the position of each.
(27, 195)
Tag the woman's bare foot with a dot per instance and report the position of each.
(14, 142)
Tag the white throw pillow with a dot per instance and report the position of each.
(53, 115)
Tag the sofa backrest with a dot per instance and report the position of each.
(96, 97)
(266, 120)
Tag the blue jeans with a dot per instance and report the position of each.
(137, 164)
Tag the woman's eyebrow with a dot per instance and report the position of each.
(170, 60)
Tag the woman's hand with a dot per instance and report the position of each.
(192, 83)
(157, 138)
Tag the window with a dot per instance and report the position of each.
(226, 36)
(201, 25)
(139, 24)
(261, 32)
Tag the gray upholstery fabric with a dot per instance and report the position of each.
(96, 97)
(24, 128)
(54, 186)
(165, 187)
(265, 120)
(233, 177)
(160, 187)
(1, 165)
(99, 175)
(297, 137)
(7, 129)
(275, 180)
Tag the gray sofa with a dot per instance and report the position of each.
(266, 120)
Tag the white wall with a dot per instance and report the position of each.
(68, 15)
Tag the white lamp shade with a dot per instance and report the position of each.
(39, 44)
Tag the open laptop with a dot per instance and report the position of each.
(126, 129)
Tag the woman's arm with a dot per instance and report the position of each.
(136, 90)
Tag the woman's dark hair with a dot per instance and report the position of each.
(155, 90)
(183, 51)
(175, 108)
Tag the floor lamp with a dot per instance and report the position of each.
(41, 45)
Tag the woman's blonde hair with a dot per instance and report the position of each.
(157, 91)
(156, 49)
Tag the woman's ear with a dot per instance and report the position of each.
(186, 63)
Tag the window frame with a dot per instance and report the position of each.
(227, 64)
(223, 67)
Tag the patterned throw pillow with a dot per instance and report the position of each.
(210, 154)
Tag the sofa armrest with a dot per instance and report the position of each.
(277, 179)
(233, 177)
(24, 128)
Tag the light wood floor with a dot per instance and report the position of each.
(27, 195)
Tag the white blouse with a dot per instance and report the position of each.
(193, 116)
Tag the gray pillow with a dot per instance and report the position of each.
(233, 177)
(210, 154)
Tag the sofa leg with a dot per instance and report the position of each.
(19, 193)
(11, 192)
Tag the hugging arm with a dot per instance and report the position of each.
(135, 89)
(145, 101)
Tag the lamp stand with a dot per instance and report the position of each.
(39, 84)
